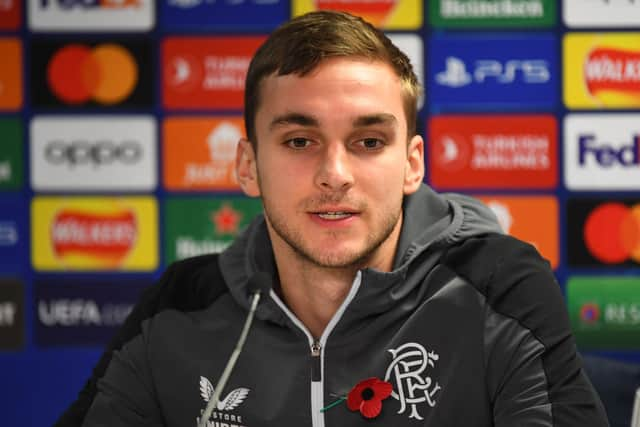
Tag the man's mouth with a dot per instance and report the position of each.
(334, 215)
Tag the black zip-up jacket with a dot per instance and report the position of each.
(470, 328)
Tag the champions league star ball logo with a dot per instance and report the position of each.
(409, 373)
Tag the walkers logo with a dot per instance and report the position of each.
(10, 74)
(93, 153)
(209, 163)
(10, 14)
(225, 14)
(13, 232)
(533, 219)
(11, 163)
(602, 152)
(493, 151)
(411, 45)
(601, 13)
(206, 72)
(603, 232)
(12, 326)
(93, 233)
(490, 71)
(492, 13)
(234, 399)
(106, 74)
(602, 70)
(91, 15)
(605, 312)
(83, 313)
(412, 388)
(385, 14)
(197, 226)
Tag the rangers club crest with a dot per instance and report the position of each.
(409, 372)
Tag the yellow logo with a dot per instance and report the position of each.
(602, 70)
(385, 14)
(94, 233)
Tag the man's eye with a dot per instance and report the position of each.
(298, 143)
(371, 143)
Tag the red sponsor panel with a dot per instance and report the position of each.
(493, 151)
(10, 14)
(105, 235)
(613, 69)
(206, 72)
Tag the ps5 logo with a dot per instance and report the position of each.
(530, 71)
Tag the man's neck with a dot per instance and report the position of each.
(314, 294)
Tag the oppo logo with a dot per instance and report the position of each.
(99, 153)
(612, 233)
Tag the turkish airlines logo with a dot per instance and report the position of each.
(493, 151)
(530, 71)
(611, 69)
(106, 74)
(105, 236)
(206, 72)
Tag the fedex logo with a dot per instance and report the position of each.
(493, 71)
(114, 4)
(528, 70)
(607, 155)
(602, 151)
(91, 15)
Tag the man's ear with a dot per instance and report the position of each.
(414, 172)
(246, 169)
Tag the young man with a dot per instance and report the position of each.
(374, 274)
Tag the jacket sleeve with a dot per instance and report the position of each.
(126, 396)
(533, 373)
(185, 285)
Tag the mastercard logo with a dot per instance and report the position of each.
(106, 73)
(612, 233)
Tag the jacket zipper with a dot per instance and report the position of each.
(317, 350)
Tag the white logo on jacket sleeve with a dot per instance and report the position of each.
(233, 399)
(412, 387)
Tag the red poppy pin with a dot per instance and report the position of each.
(366, 397)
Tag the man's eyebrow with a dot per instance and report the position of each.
(294, 119)
(375, 119)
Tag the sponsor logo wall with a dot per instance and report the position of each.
(119, 121)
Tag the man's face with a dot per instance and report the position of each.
(333, 163)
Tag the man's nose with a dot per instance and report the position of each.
(334, 170)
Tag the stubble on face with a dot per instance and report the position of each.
(304, 249)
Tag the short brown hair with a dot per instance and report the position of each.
(299, 45)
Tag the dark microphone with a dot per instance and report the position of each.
(259, 284)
